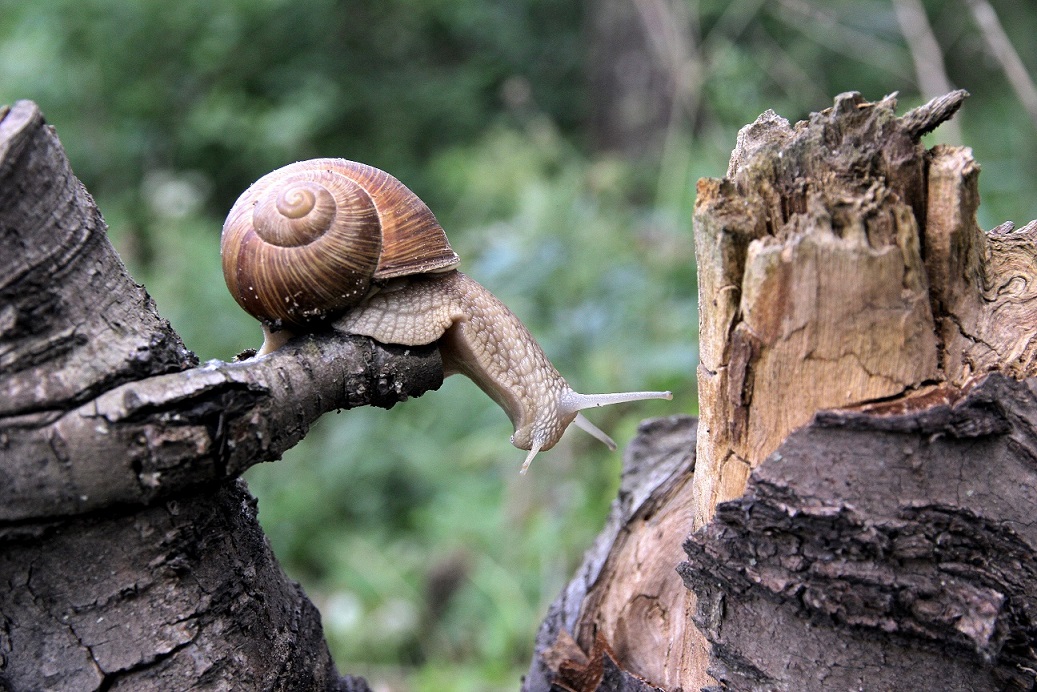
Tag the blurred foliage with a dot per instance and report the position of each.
(559, 143)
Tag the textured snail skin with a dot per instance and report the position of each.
(483, 340)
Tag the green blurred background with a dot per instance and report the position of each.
(558, 142)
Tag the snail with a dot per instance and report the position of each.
(335, 240)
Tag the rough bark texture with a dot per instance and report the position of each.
(882, 548)
(859, 515)
(183, 594)
(146, 439)
(131, 558)
(853, 510)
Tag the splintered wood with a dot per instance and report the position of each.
(840, 262)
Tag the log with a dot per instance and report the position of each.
(856, 514)
(130, 551)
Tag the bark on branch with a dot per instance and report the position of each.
(145, 440)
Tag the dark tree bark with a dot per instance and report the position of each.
(888, 547)
(854, 509)
(130, 555)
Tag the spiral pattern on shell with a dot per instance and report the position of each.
(297, 212)
(306, 241)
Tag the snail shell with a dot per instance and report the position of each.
(311, 239)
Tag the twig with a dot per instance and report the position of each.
(1002, 49)
(925, 119)
(926, 55)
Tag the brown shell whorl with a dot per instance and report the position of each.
(305, 241)
(296, 212)
(413, 242)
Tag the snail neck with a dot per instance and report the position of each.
(491, 347)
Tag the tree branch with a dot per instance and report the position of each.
(149, 439)
(926, 55)
(72, 322)
(1004, 52)
(90, 413)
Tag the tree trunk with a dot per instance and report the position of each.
(855, 510)
(131, 555)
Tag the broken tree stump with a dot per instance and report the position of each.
(839, 263)
(856, 514)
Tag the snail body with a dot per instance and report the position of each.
(400, 286)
